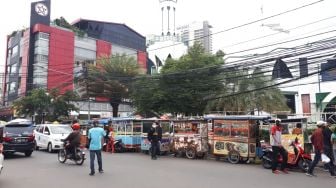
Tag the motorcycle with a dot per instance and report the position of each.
(1, 159)
(79, 157)
(298, 159)
(119, 146)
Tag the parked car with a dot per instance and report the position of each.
(1, 156)
(48, 136)
(18, 136)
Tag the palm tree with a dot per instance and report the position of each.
(246, 93)
(110, 78)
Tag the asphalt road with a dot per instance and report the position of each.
(130, 170)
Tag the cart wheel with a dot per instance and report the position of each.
(191, 153)
(233, 157)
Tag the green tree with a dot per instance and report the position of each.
(244, 92)
(111, 79)
(52, 104)
(182, 85)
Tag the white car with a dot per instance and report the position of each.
(1, 158)
(48, 136)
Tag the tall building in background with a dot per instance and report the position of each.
(167, 44)
(196, 32)
(50, 55)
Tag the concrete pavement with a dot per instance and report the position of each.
(130, 170)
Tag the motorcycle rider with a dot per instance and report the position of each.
(73, 140)
(155, 136)
(277, 148)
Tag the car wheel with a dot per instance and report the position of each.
(49, 148)
(28, 153)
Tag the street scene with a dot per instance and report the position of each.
(137, 170)
(167, 93)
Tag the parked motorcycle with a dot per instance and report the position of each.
(79, 157)
(298, 159)
(119, 146)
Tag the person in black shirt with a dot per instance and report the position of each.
(327, 145)
(73, 139)
(155, 136)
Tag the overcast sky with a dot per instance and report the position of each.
(144, 16)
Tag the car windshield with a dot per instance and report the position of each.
(60, 129)
(24, 129)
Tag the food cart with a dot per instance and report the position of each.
(165, 141)
(190, 138)
(129, 131)
(235, 137)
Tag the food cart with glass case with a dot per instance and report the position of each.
(235, 137)
(129, 131)
(190, 138)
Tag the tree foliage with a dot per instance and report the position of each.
(52, 104)
(182, 85)
(245, 92)
(111, 78)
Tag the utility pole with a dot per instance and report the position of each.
(85, 71)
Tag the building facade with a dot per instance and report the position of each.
(196, 32)
(49, 56)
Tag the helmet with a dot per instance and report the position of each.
(279, 120)
(76, 126)
(321, 123)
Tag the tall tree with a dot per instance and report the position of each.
(182, 85)
(111, 78)
(245, 91)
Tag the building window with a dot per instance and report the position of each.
(14, 51)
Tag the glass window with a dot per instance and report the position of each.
(60, 129)
(12, 87)
(239, 130)
(41, 35)
(13, 68)
(46, 130)
(218, 129)
(146, 127)
(137, 127)
(40, 130)
(165, 127)
(15, 50)
(85, 53)
(41, 50)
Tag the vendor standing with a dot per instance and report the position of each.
(155, 136)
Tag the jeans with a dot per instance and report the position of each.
(284, 154)
(154, 149)
(317, 158)
(93, 153)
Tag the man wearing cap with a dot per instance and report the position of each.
(317, 140)
(277, 148)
